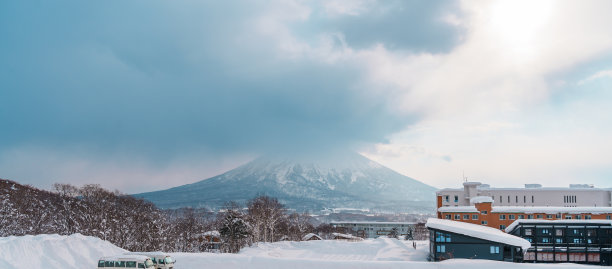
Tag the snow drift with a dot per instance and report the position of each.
(54, 251)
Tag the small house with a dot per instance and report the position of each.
(453, 239)
(310, 237)
(210, 241)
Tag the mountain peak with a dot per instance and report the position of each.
(341, 179)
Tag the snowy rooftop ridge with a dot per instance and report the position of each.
(458, 209)
(478, 231)
(551, 209)
(481, 199)
(551, 222)
(529, 209)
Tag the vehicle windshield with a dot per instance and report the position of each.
(100, 263)
(148, 263)
(169, 260)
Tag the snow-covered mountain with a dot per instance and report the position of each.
(346, 180)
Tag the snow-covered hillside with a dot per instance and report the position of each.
(77, 251)
(347, 180)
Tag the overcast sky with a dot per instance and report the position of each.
(145, 95)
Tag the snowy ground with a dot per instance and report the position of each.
(77, 251)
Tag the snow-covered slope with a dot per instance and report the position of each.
(77, 251)
(347, 180)
(53, 251)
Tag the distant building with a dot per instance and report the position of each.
(576, 195)
(374, 229)
(311, 237)
(484, 213)
(452, 239)
(347, 237)
(210, 241)
(577, 241)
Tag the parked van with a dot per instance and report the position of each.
(126, 261)
(161, 260)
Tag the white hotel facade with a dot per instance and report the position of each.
(576, 195)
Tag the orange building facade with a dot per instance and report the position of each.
(484, 213)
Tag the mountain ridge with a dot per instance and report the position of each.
(349, 180)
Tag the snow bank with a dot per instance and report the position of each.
(478, 231)
(54, 251)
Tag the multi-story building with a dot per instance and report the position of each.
(373, 229)
(578, 241)
(577, 195)
(481, 211)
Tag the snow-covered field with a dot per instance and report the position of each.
(78, 251)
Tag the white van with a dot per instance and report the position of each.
(126, 261)
(161, 260)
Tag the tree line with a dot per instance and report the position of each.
(138, 225)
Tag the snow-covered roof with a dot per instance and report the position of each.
(125, 257)
(212, 233)
(481, 199)
(346, 236)
(477, 231)
(552, 222)
(310, 236)
(458, 209)
(373, 222)
(551, 209)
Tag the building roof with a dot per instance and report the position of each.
(530, 209)
(310, 236)
(371, 222)
(477, 231)
(481, 199)
(458, 209)
(346, 236)
(551, 209)
(551, 222)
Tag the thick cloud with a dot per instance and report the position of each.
(170, 79)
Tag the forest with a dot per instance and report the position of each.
(138, 225)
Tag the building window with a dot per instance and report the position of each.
(494, 250)
(521, 216)
(517, 199)
(545, 240)
(475, 216)
(532, 199)
(442, 237)
(457, 217)
(545, 231)
(528, 232)
(568, 216)
(456, 198)
(577, 240)
(608, 217)
(446, 198)
(484, 212)
(549, 216)
(484, 222)
(524, 199)
(587, 217)
(502, 217)
(538, 216)
(558, 215)
(511, 217)
(447, 216)
(578, 217)
(508, 198)
(466, 217)
(529, 216)
(559, 232)
(501, 200)
(559, 240)
(440, 248)
(502, 227)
